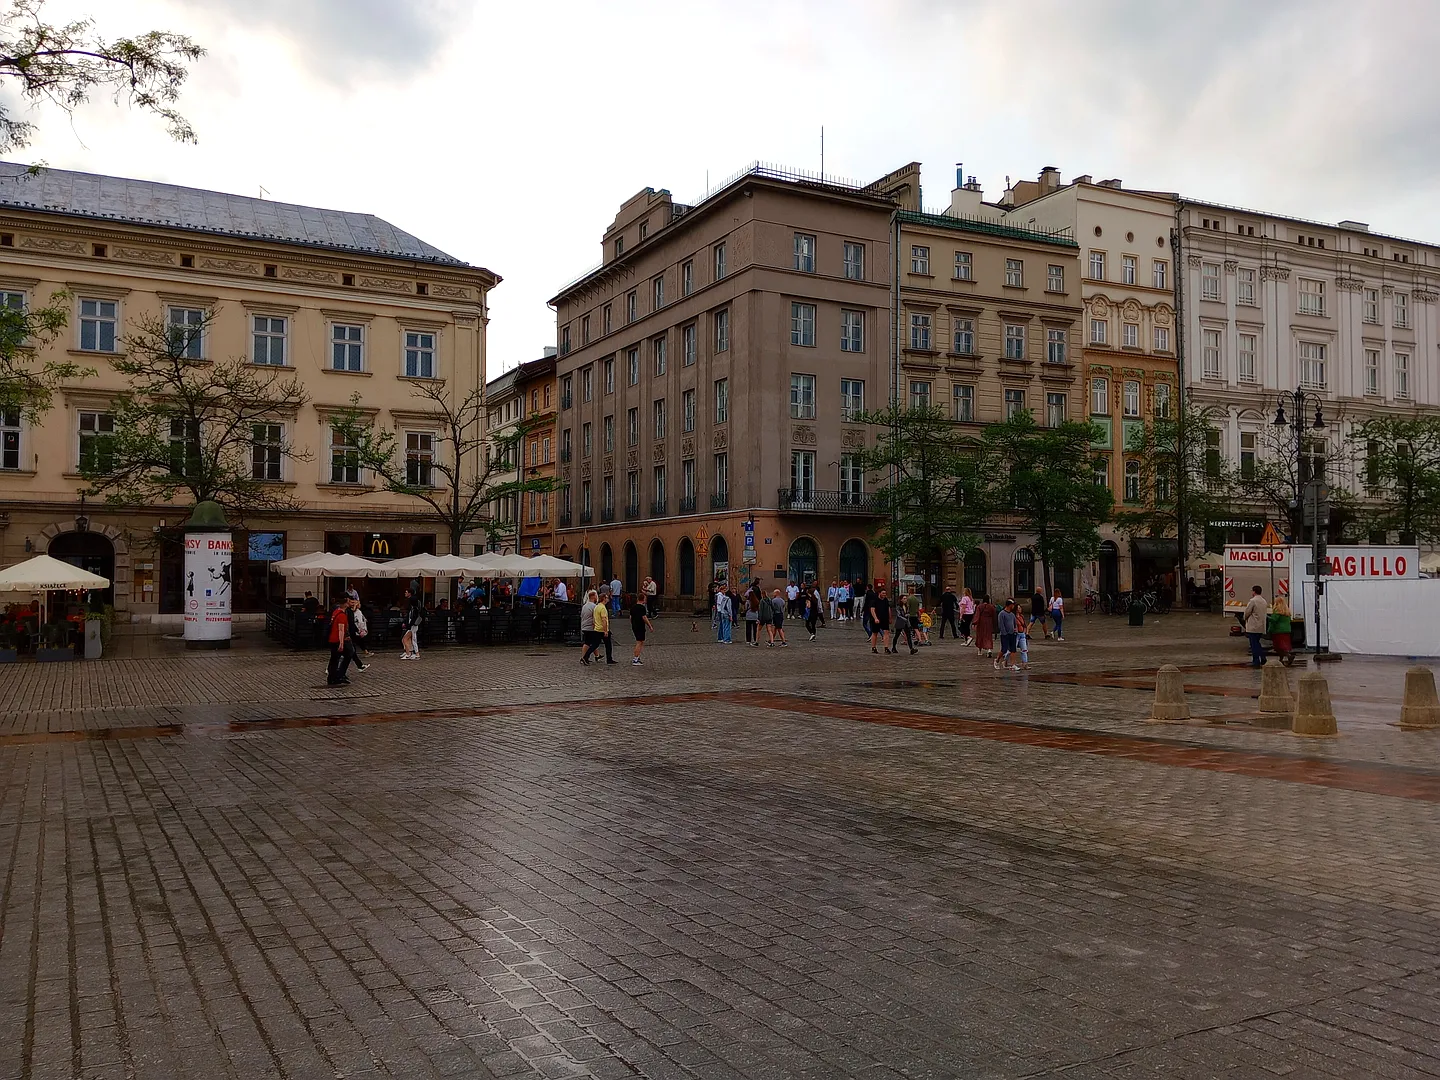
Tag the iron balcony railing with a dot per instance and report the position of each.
(586, 517)
(564, 521)
(826, 502)
(632, 511)
(659, 508)
(687, 504)
(720, 500)
(566, 401)
(607, 514)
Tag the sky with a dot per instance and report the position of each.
(509, 133)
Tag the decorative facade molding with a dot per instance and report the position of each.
(853, 439)
(657, 452)
(450, 290)
(1193, 261)
(609, 466)
(1386, 290)
(1163, 315)
(1132, 311)
(303, 273)
(53, 243)
(803, 435)
(719, 440)
(148, 255)
(1349, 284)
(1423, 297)
(632, 458)
(388, 284)
(231, 266)
(1274, 273)
(1231, 265)
(687, 448)
(585, 470)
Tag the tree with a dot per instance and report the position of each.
(1399, 460)
(933, 496)
(1043, 475)
(1180, 469)
(193, 427)
(63, 64)
(27, 385)
(456, 473)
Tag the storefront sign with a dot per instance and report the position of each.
(1257, 556)
(1369, 562)
(207, 586)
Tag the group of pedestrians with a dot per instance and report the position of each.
(1262, 618)
(764, 613)
(979, 623)
(595, 622)
(349, 635)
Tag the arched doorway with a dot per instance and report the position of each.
(1024, 573)
(804, 560)
(1063, 578)
(89, 551)
(977, 573)
(854, 562)
(657, 565)
(687, 567)
(719, 559)
(607, 563)
(1109, 568)
(632, 568)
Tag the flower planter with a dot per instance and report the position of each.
(9, 656)
(54, 656)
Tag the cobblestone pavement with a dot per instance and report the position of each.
(731, 862)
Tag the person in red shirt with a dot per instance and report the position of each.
(339, 654)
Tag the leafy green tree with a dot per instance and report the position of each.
(28, 383)
(932, 496)
(193, 429)
(1043, 476)
(1398, 459)
(1181, 471)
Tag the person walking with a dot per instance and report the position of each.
(1022, 641)
(832, 594)
(767, 620)
(949, 605)
(985, 614)
(1005, 622)
(639, 624)
(812, 613)
(752, 616)
(410, 626)
(615, 589)
(777, 616)
(867, 603)
(912, 607)
(724, 616)
(1255, 614)
(967, 616)
(1038, 609)
(359, 631)
(1280, 626)
(814, 594)
(587, 626)
(652, 595)
(904, 624)
(877, 611)
(339, 650)
(603, 623)
(1057, 614)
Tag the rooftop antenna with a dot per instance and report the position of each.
(822, 153)
(263, 192)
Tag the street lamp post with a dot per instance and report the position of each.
(1312, 492)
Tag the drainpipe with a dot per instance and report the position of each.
(895, 373)
(1182, 524)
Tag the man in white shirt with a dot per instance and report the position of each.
(615, 594)
(832, 595)
(792, 593)
(561, 593)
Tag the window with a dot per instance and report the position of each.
(630, 306)
(185, 328)
(1162, 339)
(1132, 481)
(1158, 273)
(852, 398)
(344, 460)
(1370, 305)
(657, 294)
(1372, 467)
(965, 337)
(566, 396)
(1054, 409)
(1210, 353)
(1014, 403)
(964, 402)
(565, 445)
(687, 402)
(1312, 460)
(1100, 472)
(1402, 309)
(1127, 269)
(852, 479)
(1055, 346)
(586, 499)
(268, 340)
(1097, 266)
(802, 324)
(632, 365)
(267, 451)
(1099, 397)
(12, 301)
(184, 446)
(802, 475)
(688, 345)
(585, 330)
(805, 253)
(964, 266)
(719, 261)
(657, 351)
(420, 459)
(632, 490)
(632, 427)
(722, 474)
(1130, 335)
(1210, 281)
(1372, 371)
(1162, 401)
(97, 325)
(919, 331)
(919, 394)
(1402, 375)
(919, 260)
(657, 412)
(1130, 399)
(10, 439)
(607, 494)
(1014, 273)
(606, 323)
(1247, 455)
(687, 478)
(1055, 278)
(607, 433)
(607, 368)
(722, 400)
(854, 261)
(1014, 341)
(1162, 486)
(587, 439)
(644, 229)
(852, 331)
(420, 354)
(1099, 331)
(587, 383)
(1245, 286)
(1245, 359)
(722, 331)
(1312, 364)
(660, 494)
(802, 397)
(347, 347)
(564, 340)
(687, 277)
(1312, 297)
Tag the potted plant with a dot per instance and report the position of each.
(54, 645)
(9, 653)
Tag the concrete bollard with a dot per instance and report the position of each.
(1170, 695)
(1313, 714)
(1421, 708)
(1277, 704)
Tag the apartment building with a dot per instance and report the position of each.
(707, 369)
(540, 390)
(1127, 366)
(347, 302)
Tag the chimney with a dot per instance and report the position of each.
(1085, 179)
(1049, 178)
(550, 350)
(1110, 184)
(1007, 200)
(973, 185)
(1358, 226)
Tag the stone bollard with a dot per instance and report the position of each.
(1421, 708)
(1169, 695)
(1313, 714)
(1277, 704)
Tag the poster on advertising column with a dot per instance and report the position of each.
(207, 586)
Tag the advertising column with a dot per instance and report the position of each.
(209, 549)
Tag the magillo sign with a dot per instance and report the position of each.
(1247, 565)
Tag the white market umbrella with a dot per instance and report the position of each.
(43, 573)
(324, 564)
(1430, 564)
(502, 566)
(432, 566)
(1208, 561)
(551, 566)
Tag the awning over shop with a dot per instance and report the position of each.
(1161, 549)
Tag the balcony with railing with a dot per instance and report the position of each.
(659, 508)
(564, 521)
(566, 401)
(720, 500)
(632, 511)
(814, 501)
(586, 517)
(607, 514)
(564, 456)
(687, 504)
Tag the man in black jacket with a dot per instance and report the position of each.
(949, 603)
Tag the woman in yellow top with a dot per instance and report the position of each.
(602, 627)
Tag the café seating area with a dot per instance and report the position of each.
(556, 622)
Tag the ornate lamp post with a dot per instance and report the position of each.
(1310, 494)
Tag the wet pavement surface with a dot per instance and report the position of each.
(731, 862)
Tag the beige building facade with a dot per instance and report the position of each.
(347, 303)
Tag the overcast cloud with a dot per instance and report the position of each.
(509, 133)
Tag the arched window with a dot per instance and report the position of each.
(804, 560)
(686, 554)
(607, 563)
(855, 562)
(657, 565)
(1132, 481)
(632, 568)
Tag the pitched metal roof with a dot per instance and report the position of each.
(146, 202)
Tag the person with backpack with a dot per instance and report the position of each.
(752, 616)
(766, 613)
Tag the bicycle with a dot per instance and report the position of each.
(1092, 601)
